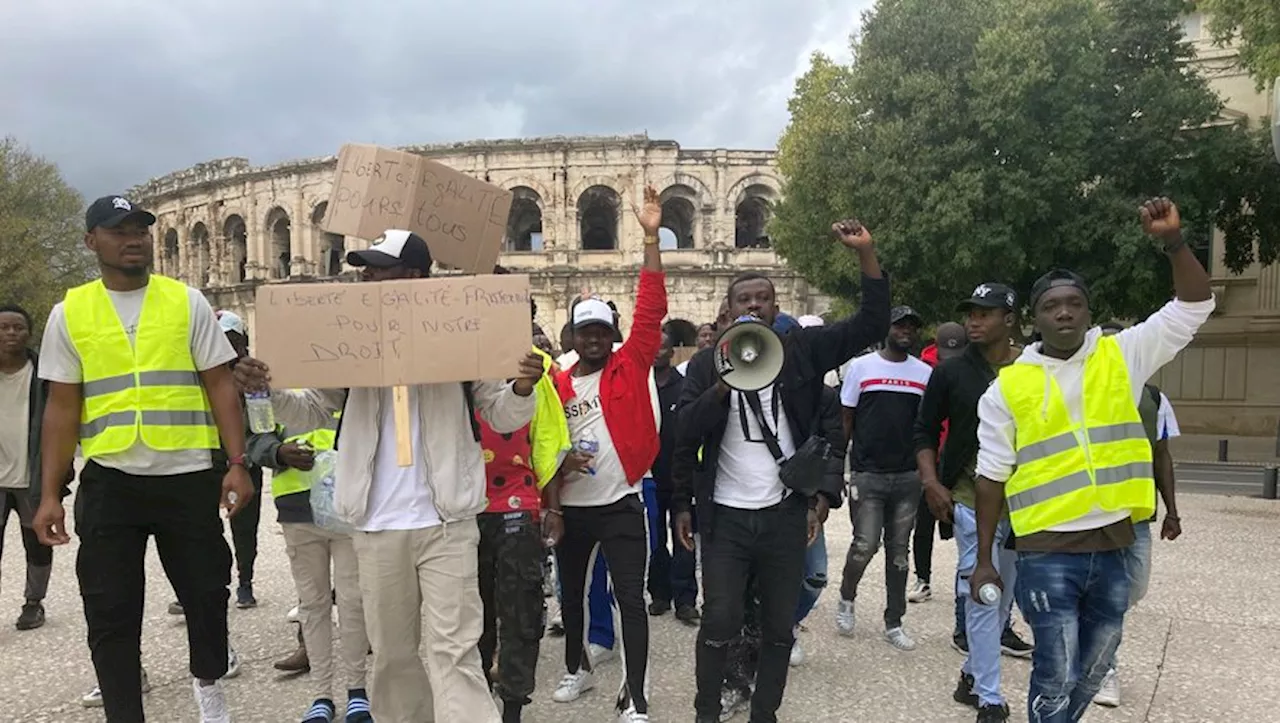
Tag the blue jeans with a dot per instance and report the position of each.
(1137, 562)
(671, 572)
(984, 624)
(599, 605)
(815, 576)
(1075, 604)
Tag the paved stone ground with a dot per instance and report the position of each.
(1202, 647)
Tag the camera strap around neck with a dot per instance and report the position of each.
(752, 400)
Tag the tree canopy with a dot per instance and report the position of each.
(1253, 26)
(986, 140)
(41, 232)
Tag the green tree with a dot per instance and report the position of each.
(994, 139)
(1254, 27)
(41, 232)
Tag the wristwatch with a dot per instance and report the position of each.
(650, 239)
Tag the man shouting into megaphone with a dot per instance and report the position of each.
(737, 453)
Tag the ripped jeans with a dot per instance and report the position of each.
(886, 506)
(815, 576)
(1075, 604)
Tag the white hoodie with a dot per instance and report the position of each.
(1146, 347)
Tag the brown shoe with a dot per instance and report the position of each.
(297, 662)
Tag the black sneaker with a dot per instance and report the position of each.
(688, 614)
(964, 694)
(245, 598)
(32, 616)
(1014, 646)
(658, 608)
(175, 608)
(993, 713)
(960, 642)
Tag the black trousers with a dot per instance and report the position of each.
(115, 513)
(511, 558)
(244, 530)
(618, 531)
(769, 546)
(39, 557)
(922, 540)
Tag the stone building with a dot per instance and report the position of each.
(1226, 381)
(226, 226)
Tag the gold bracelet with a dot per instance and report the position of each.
(650, 239)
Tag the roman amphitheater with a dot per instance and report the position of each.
(227, 226)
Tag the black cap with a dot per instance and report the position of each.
(990, 295)
(1054, 279)
(950, 339)
(111, 211)
(901, 313)
(392, 248)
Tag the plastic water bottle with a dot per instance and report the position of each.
(588, 444)
(989, 593)
(262, 418)
(322, 492)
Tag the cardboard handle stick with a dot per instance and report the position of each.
(404, 428)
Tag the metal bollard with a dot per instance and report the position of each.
(1222, 450)
(1269, 476)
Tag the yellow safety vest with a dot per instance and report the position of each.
(149, 389)
(1066, 470)
(291, 481)
(549, 430)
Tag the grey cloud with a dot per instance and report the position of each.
(118, 91)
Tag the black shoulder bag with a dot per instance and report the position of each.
(803, 471)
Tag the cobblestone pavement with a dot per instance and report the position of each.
(1202, 647)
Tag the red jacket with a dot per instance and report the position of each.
(624, 383)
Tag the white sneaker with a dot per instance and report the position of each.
(631, 716)
(844, 618)
(797, 652)
(233, 664)
(573, 685)
(899, 639)
(93, 699)
(920, 592)
(598, 654)
(292, 615)
(1109, 693)
(212, 702)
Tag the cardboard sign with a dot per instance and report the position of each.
(462, 218)
(391, 333)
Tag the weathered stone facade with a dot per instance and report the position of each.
(226, 226)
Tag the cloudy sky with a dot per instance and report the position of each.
(119, 91)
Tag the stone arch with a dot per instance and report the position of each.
(599, 208)
(280, 251)
(737, 191)
(679, 216)
(236, 234)
(171, 254)
(524, 223)
(539, 189)
(702, 195)
(751, 216)
(200, 247)
(333, 246)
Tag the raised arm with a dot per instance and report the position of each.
(645, 338)
(831, 346)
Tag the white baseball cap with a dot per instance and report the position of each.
(809, 320)
(592, 311)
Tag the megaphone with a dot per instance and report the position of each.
(748, 355)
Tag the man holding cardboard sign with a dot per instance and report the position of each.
(417, 538)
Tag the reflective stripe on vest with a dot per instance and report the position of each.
(1066, 470)
(148, 390)
(292, 481)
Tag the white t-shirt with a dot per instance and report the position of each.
(1166, 422)
(569, 358)
(585, 415)
(683, 368)
(15, 402)
(747, 473)
(399, 498)
(60, 362)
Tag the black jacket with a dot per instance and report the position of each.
(808, 355)
(668, 400)
(953, 392)
(833, 429)
(36, 399)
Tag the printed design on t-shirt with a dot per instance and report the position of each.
(891, 384)
(582, 407)
(489, 456)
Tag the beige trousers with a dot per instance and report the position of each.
(311, 549)
(424, 584)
